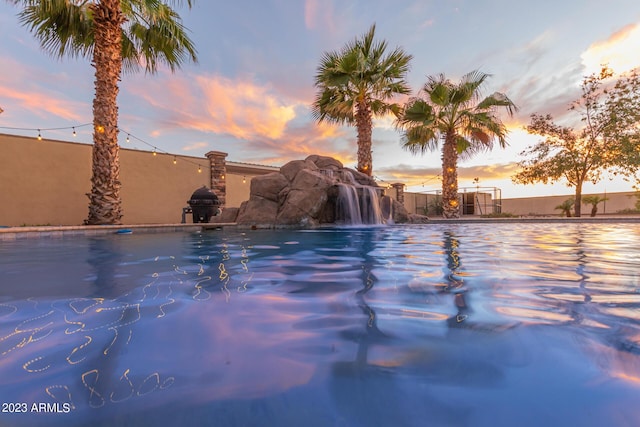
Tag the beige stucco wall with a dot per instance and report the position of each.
(547, 205)
(239, 176)
(237, 189)
(31, 174)
(45, 182)
(154, 189)
(526, 206)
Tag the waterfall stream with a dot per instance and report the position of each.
(358, 205)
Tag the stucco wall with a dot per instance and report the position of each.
(527, 206)
(547, 205)
(45, 182)
(33, 172)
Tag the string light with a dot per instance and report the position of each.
(244, 179)
(175, 160)
(101, 129)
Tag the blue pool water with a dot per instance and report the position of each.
(434, 325)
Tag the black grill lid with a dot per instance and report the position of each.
(202, 194)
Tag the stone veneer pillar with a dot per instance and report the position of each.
(218, 166)
(399, 191)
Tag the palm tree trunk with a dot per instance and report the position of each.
(450, 202)
(364, 126)
(105, 206)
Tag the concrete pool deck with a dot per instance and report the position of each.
(15, 233)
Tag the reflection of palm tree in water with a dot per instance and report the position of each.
(100, 378)
(373, 394)
(366, 244)
(454, 284)
(104, 258)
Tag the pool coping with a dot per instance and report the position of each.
(15, 233)
(544, 219)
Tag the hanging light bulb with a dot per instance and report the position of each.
(244, 179)
(154, 152)
(127, 137)
(39, 135)
(174, 160)
(222, 176)
(199, 169)
(74, 132)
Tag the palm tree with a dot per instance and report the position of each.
(356, 83)
(117, 35)
(450, 112)
(593, 201)
(566, 207)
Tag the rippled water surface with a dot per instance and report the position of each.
(435, 325)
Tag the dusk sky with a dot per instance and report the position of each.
(251, 91)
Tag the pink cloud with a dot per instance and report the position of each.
(270, 124)
(34, 99)
(38, 103)
(215, 104)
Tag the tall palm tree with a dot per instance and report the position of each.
(117, 35)
(356, 83)
(455, 114)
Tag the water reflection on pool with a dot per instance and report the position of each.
(448, 324)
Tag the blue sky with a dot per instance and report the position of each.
(249, 95)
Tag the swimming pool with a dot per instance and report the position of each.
(441, 324)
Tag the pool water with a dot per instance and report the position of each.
(434, 325)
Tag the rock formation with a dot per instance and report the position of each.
(305, 193)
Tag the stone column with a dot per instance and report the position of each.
(399, 192)
(218, 166)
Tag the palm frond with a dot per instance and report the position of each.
(419, 140)
(62, 27)
(153, 33)
(417, 111)
(497, 99)
(361, 70)
(156, 36)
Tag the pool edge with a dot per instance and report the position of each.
(15, 233)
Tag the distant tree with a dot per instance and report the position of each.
(593, 201)
(115, 34)
(607, 141)
(356, 83)
(455, 114)
(566, 207)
